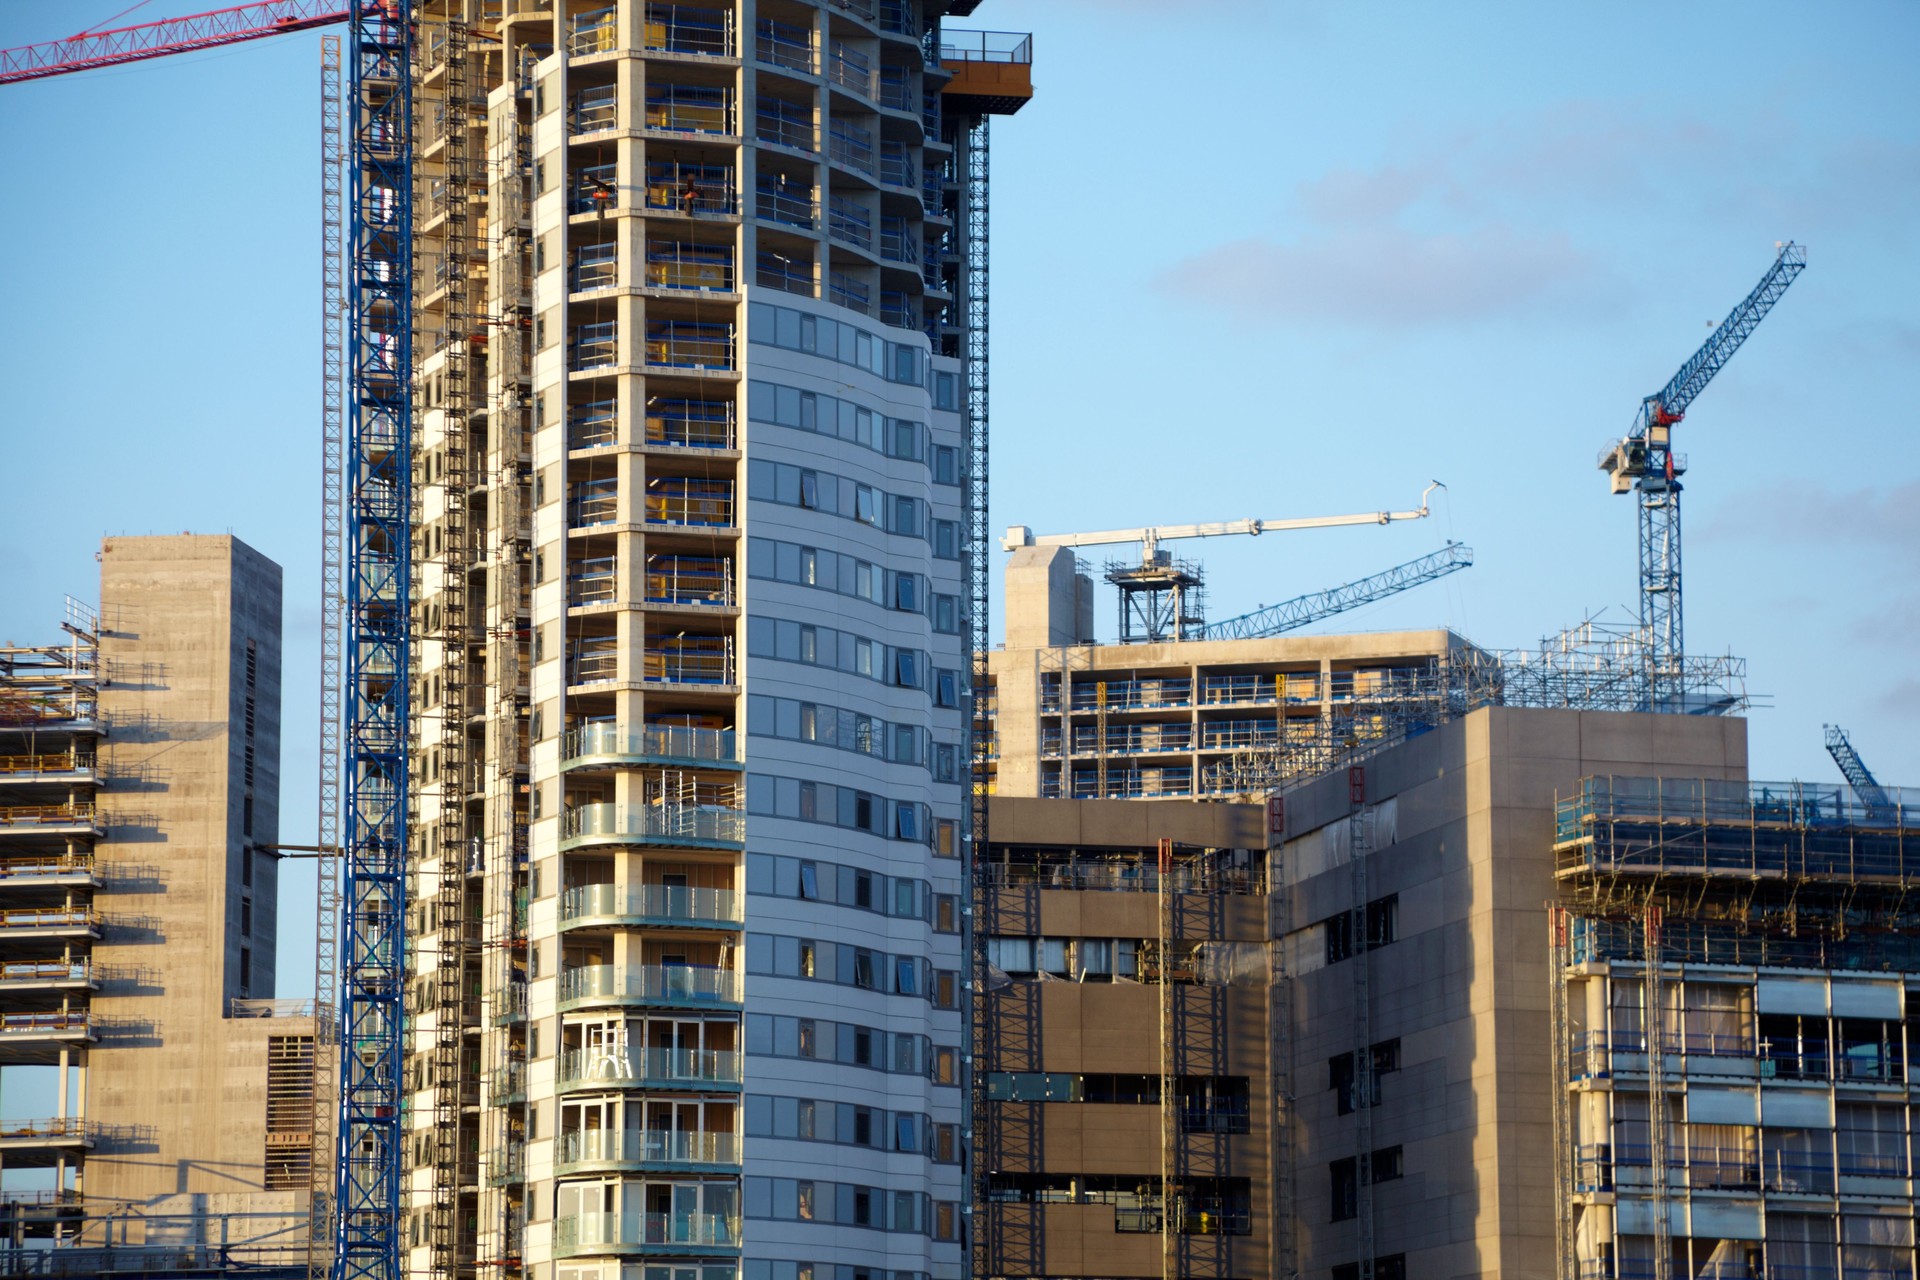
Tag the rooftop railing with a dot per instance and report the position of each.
(985, 46)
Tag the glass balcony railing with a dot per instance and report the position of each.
(661, 903)
(647, 1146)
(592, 1232)
(653, 741)
(687, 1068)
(652, 984)
(664, 824)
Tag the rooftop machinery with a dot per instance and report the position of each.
(1644, 462)
(1161, 599)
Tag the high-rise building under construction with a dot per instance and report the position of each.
(699, 350)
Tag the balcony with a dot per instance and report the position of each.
(595, 266)
(597, 31)
(596, 582)
(595, 662)
(783, 45)
(778, 271)
(785, 124)
(77, 818)
(649, 744)
(596, 189)
(897, 167)
(688, 31)
(644, 1233)
(650, 1069)
(687, 344)
(592, 426)
(36, 1143)
(594, 346)
(670, 906)
(693, 660)
(61, 766)
(646, 1149)
(850, 70)
(699, 826)
(850, 293)
(690, 109)
(675, 264)
(896, 17)
(52, 922)
(690, 424)
(851, 146)
(695, 190)
(70, 869)
(898, 89)
(701, 581)
(897, 309)
(594, 110)
(506, 1084)
(651, 984)
(849, 223)
(29, 1038)
(791, 204)
(679, 500)
(52, 975)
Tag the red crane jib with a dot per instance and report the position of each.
(92, 49)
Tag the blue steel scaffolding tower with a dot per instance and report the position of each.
(379, 300)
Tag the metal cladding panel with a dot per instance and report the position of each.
(1796, 1108)
(1854, 998)
(1791, 995)
(1722, 1106)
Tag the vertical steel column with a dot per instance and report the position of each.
(377, 659)
(326, 935)
(1360, 833)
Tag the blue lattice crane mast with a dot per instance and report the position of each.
(1645, 464)
(1291, 615)
(1859, 777)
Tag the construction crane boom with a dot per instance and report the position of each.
(90, 49)
(1859, 777)
(1645, 464)
(1291, 615)
(1150, 537)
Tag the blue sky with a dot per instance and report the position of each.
(1249, 259)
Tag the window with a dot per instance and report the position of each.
(807, 1038)
(946, 1220)
(1340, 1075)
(805, 1197)
(810, 489)
(946, 913)
(907, 820)
(946, 1066)
(946, 838)
(809, 880)
(1339, 930)
(946, 539)
(906, 1133)
(863, 969)
(906, 592)
(946, 464)
(866, 504)
(946, 988)
(906, 977)
(946, 1143)
(906, 671)
(806, 958)
(1386, 1164)
(946, 614)
(946, 689)
(1383, 920)
(1344, 1189)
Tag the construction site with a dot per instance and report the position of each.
(707, 891)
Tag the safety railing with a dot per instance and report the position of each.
(592, 503)
(669, 1067)
(897, 168)
(655, 822)
(43, 1024)
(1126, 694)
(653, 741)
(781, 44)
(1709, 802)
(670, 904)
(596, 189)
(690, 424)
(595, 266)
(294, 1007)
(594, 661)
(682, 108)
(775, 270)
(681, 500)
(1150, 784)
(47, 762)
(897, 309)
(849, 69)
(677, 264)
(593, 425)
(593, 109)
(49, 918)
(985, 46)
(785, 124)
(1292, 687)
(506, 1084)
(849, 223)
(858, 8)
(692, 189)
(896, 16)
(56, 1127)
(1793, 1174)
(668, 984)
(587, 1232)
(647, 1146)
(595, 31)
(689, 660)
(596, 581)
(48, 815)
(851, 146)
(897, 240)
(694, 580)
(897, 89)
(687, 344)
(1131, 739)
(685, 29)
(791, 204)
(849, 292)
(44, 971)
(594, 346)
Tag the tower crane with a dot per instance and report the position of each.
(1644, 463)
(367, 444)
(1859, 777)
(1159, 598)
